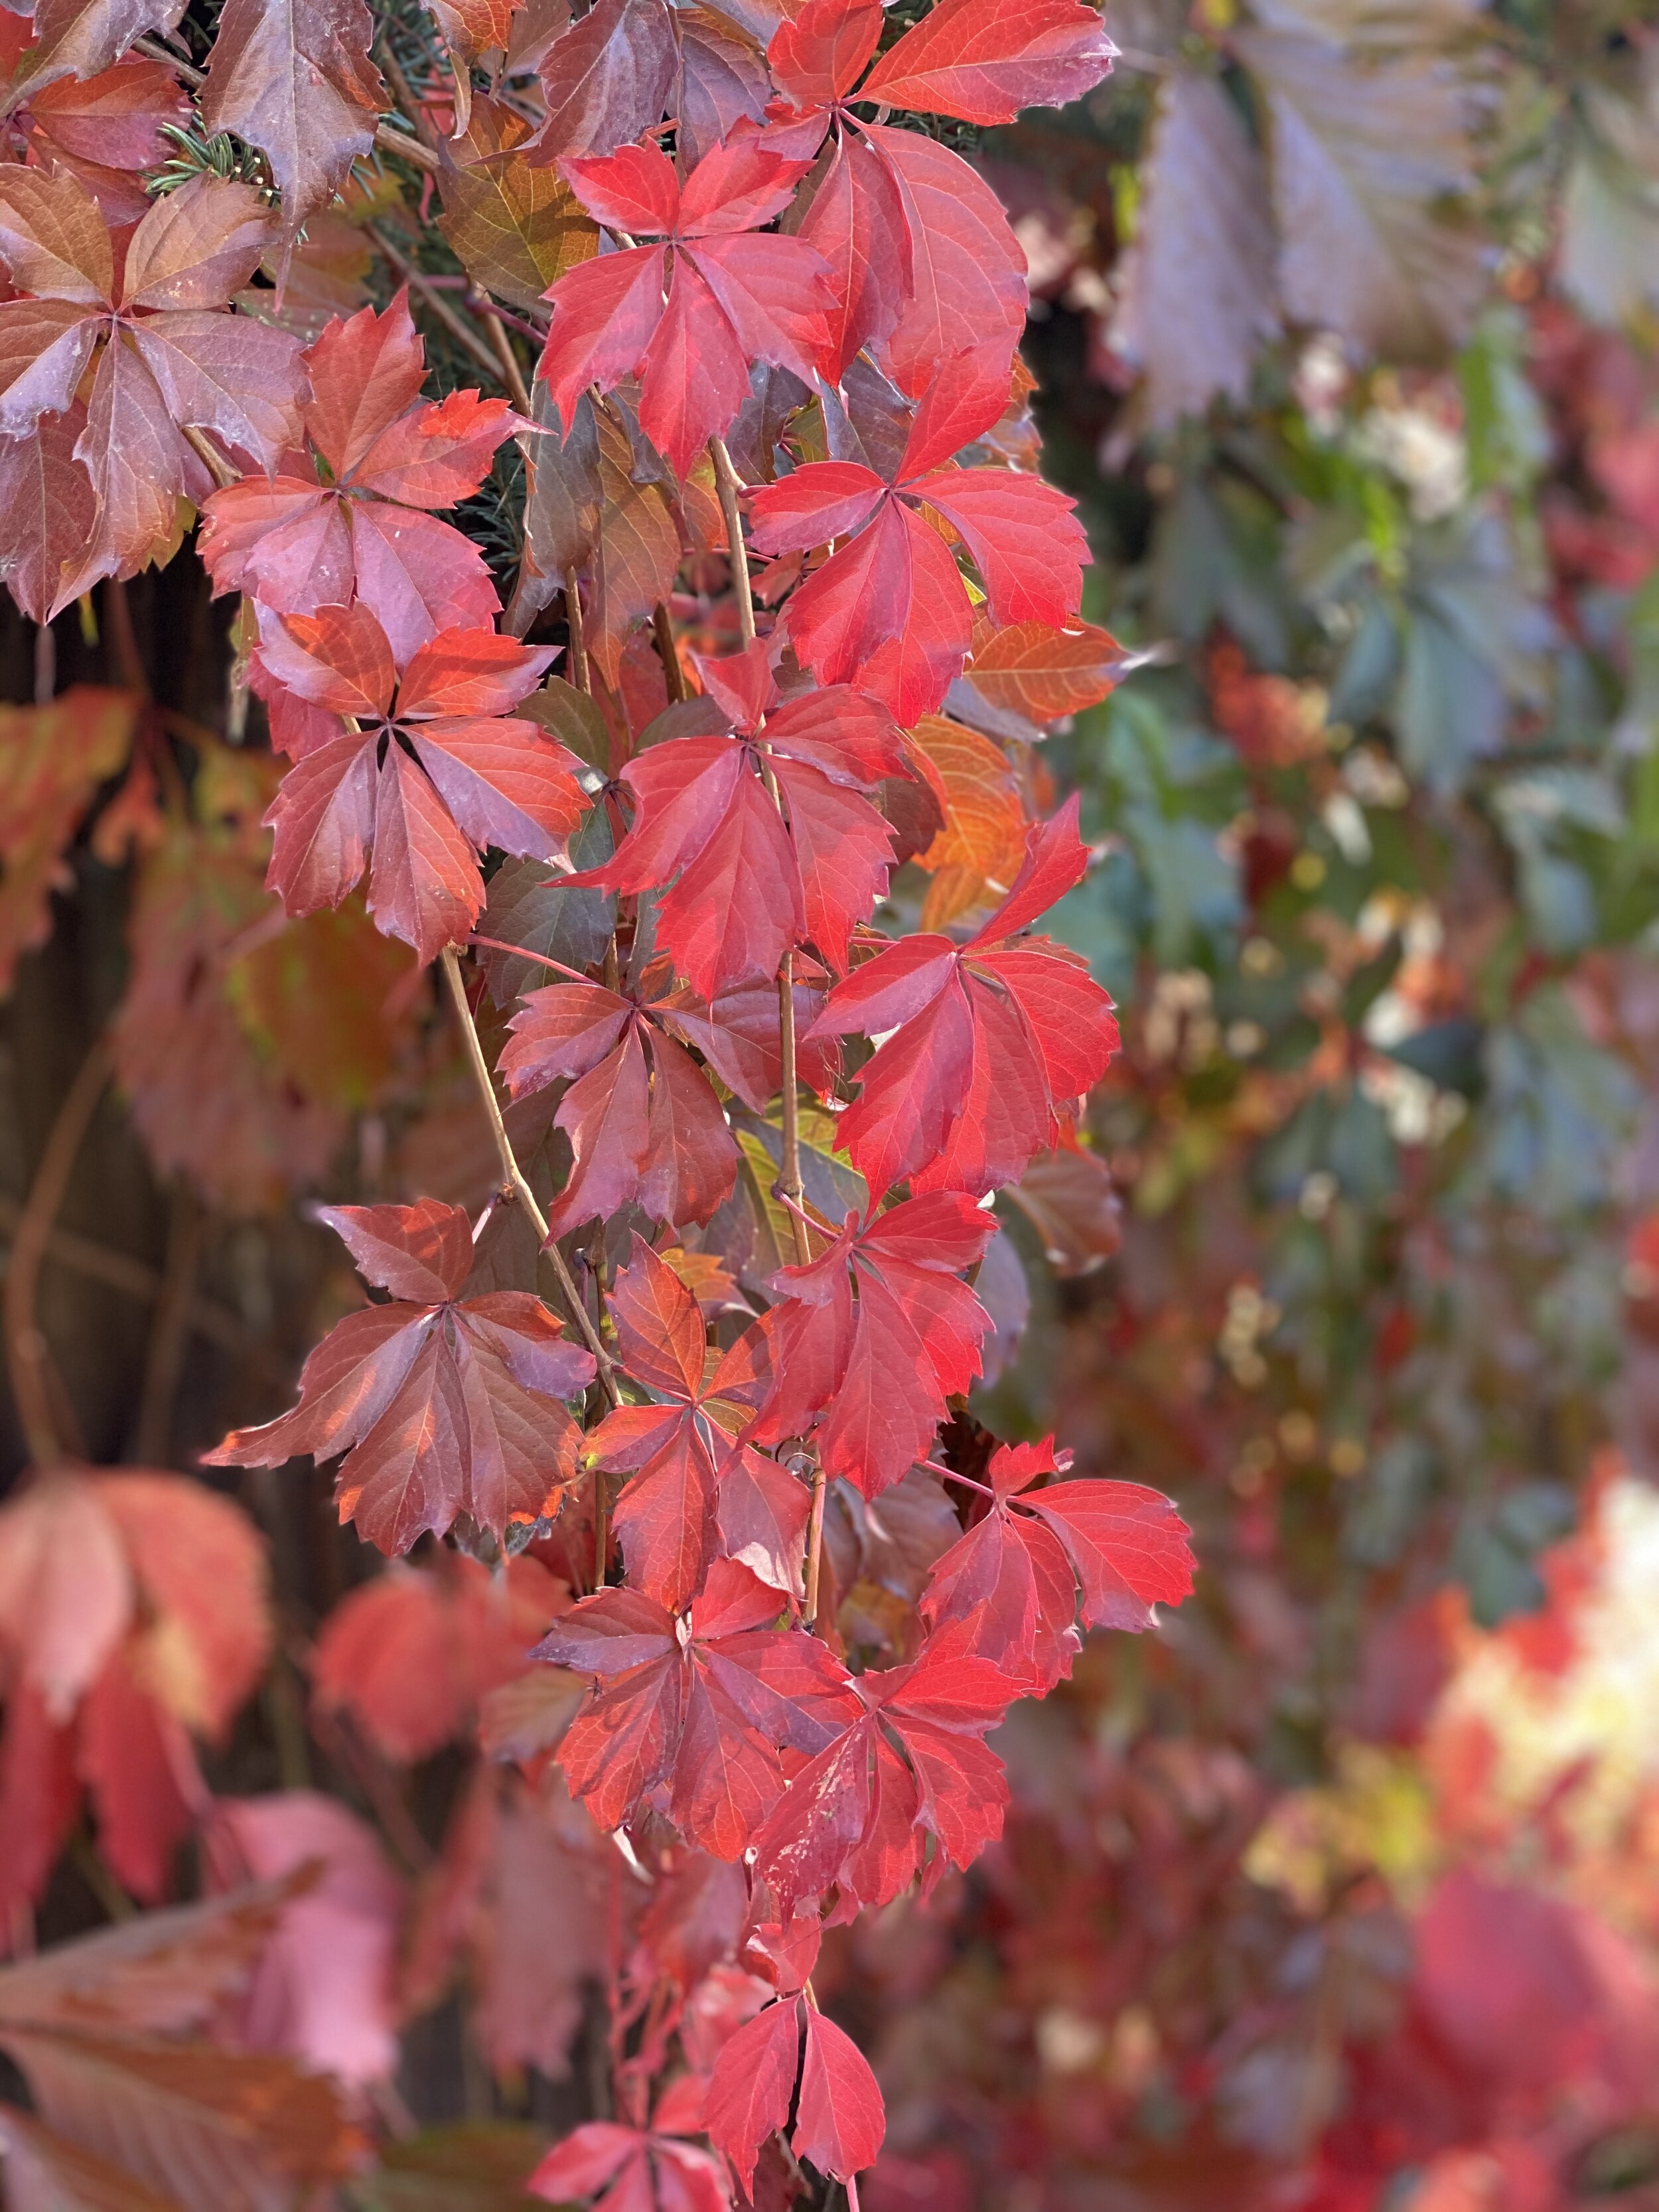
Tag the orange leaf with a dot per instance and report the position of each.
(1029, 669)
(978, 852)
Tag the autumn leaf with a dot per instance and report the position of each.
(294, 78)
(867, 1341)
(1198, 297)
(747, 875)
(839, 2118)
(358, 523)
(984, 65)
(1011, 1579)
(634, 554)
(985, 1048)
(617, 2168)
(691, 312)
(1043, 673)
(414, 760)
(705, 1722)
(1372, 167)
(115, 1648)
(515, 227)
(889, 611)
(896, 203)
(83, 37)
(645, 1127)
(676, 1450)
(53, 759)
(443, 1406)
(607, 79)
(412, 1656)
(107, 128)
(910, 1787)
(164, 357)
(980, 850)
(203, 2128)
(1068, 1197)
(224, 994)
(471, 29)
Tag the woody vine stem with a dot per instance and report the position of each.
(512, 1177)
(789, 1186)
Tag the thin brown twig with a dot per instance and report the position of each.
(512, 372)
(789, 1185)
(123, 639)
(513, 1179)
(809, 1611)
(28, 1356)
(393, 70)
(461, 331)
(662, 630)
(576, 658)
(388, 136)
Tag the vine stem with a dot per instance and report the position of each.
(728, 483)
(662, 628)
(512, 1176)
(209, 456)
(789, 1186)
(512, 372)
(524, 953)
(950, 1474)
(28, 1356)
(458, 328)
(576, 667)
(576, 657)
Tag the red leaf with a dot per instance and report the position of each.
(913, 1766)
(1010, 1576)
(841, 2119)
(744, 881)
(323, 1990)
(1019, 1027)
(435, 771)
(1127, 1544)
(889, 611)
(106, 127)
(984, 65)
(606, 80)
(664, 1516)
(732, 297)
(299, 542)
(753, 2085)
(39, 1796)
(696, 1727)
(866, 1343)
(631, 2170)
(80, 38)
(444, 1409)
(140, 1775)
(410, 1654)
